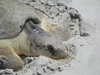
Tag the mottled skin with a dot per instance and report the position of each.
(28, 37)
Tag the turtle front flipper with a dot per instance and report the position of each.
(66, 30)
(3, 62)
(10, 60)
(61, 31)
(15, 62)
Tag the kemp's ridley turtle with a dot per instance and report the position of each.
(24, 31)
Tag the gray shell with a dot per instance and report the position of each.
(13, 15)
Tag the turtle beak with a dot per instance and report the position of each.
(60, 54)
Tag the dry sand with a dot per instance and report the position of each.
(87, 60)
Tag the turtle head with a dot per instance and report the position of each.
(49, 45)
(46, 44)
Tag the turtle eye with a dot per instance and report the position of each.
(51, 49)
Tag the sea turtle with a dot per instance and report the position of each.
(25, 31)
